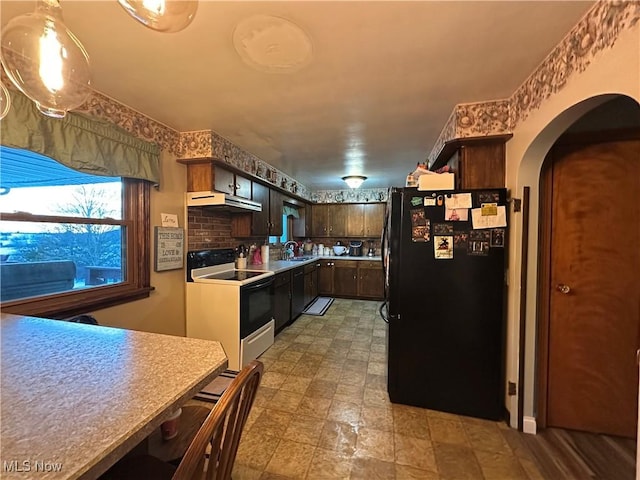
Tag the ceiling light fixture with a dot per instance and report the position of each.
(162, 15)
(45, 61)
(354, 181)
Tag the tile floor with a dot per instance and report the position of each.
(322, 412)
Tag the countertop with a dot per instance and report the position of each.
(76, 398)
(278, 266)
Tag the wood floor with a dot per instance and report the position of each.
(567, 454)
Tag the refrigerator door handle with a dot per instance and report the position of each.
(384, 308)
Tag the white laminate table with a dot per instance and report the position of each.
(75, 398)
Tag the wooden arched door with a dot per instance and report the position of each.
(592, 279)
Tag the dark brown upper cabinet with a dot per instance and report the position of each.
(476, 162)
(260, 224)
(204, 176)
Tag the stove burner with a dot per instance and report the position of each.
(232, 275)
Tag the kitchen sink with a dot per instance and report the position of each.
(299, 259)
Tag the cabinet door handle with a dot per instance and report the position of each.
(231, 185)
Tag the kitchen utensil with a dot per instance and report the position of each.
(241, 256)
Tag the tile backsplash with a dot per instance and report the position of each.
(209, 228)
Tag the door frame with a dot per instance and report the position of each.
(544, 255)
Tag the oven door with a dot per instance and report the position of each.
(256, 305)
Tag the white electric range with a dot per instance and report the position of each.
(234, 307)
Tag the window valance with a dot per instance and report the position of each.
(80, 142)
(290, 211)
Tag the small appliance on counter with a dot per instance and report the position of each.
(372, 250)
(339, 249)
(355, 248)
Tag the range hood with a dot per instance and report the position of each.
(223, 201)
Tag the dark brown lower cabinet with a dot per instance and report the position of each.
(282, 299)
(297, 292)
(351, 279)
(340, 278)
(370, 280)
(310, 283)
(345, 278)
(325, 277)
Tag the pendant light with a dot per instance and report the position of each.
(45, 60)
(5, 101)
(162, 15)
(354, 181)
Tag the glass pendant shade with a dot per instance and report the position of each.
(162, 15)
(5, 101)
(45, 60)
(354, 181)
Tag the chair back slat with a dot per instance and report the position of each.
(222, 430)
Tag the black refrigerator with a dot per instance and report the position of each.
(445, 287)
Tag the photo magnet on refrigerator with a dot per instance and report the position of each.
(442, 228)
(497, 237)
(460, 240)
(443, 246)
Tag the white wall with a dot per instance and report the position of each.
(612, 71)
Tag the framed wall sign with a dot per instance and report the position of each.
(169, 251)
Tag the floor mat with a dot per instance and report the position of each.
(319, 306)
(213, 391)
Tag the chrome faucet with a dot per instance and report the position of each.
(289, 253)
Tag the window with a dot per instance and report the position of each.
(70, 242)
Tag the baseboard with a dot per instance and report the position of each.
(529, 425)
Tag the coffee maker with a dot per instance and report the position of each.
(355, 248)
(372, 250)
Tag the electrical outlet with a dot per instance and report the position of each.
(511, 388)
(517, 204)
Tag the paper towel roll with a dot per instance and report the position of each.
(264, 253)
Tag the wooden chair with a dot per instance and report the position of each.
(213, 450)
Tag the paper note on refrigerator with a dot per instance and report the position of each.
(489, 221)
(457, 200)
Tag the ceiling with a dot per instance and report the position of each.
(367, 88)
